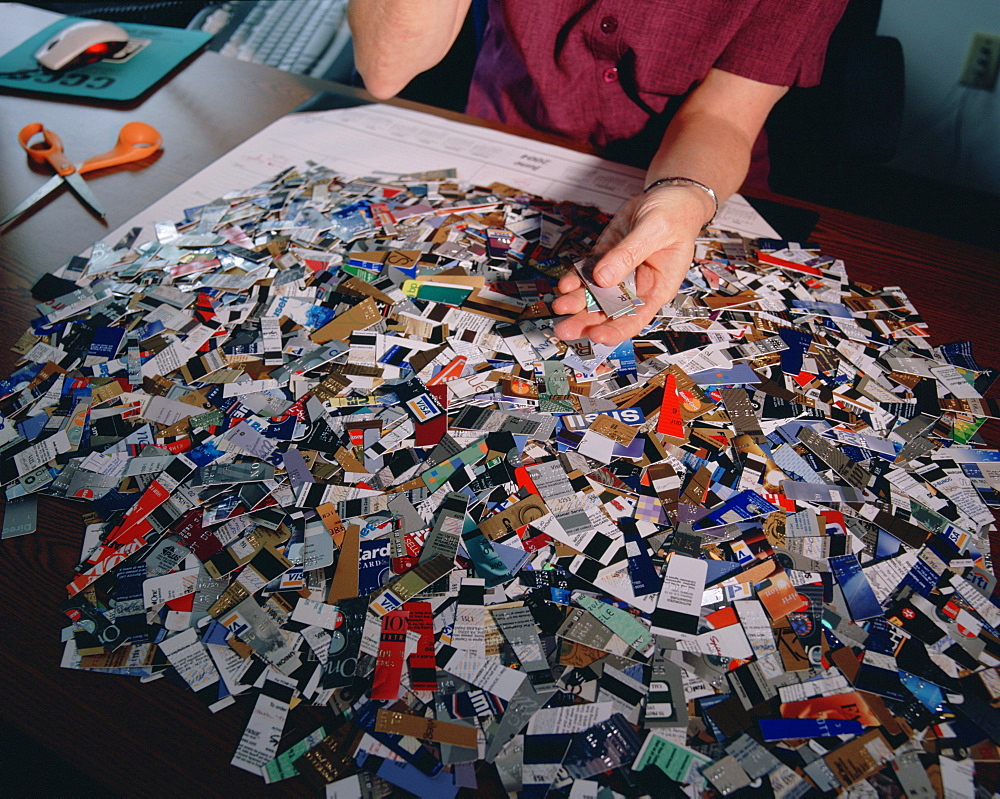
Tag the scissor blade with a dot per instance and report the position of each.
(79, 188)
(29, 201)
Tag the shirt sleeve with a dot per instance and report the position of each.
(783, 42)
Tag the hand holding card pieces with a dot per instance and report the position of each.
(334, 457)
(615, 301)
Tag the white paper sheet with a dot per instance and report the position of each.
(383, 139)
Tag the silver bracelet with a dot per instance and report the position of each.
(687, 182)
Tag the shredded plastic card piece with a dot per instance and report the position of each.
(333, 455)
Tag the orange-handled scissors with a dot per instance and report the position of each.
(136, 140)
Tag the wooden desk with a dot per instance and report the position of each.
(156, 739)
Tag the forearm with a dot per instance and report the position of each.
(706, 150)
(712, 135)
(395, 40)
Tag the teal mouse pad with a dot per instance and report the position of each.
(151, 53)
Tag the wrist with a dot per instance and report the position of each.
(709, 198)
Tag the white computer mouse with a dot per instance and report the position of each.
(80, 44)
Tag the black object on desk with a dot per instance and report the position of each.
(328, 101)
(792, 224)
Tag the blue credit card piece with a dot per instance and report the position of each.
(792, 729)
(883, 682)
(822, 308)
(745, 505)
(719, 570)
(33, 426)
(215, 633)
(624, 353)
(860, 598)
(921, 578)
(106, 341)
(440, 786)
(798, 342)
(373, 565)
(513, 556)
(930, 695)
(740, 374)
(20, 378)
(641, 571)
(204, 454)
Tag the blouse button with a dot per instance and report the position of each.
(609, 24)
(611, 75)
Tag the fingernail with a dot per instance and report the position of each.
(603, 277)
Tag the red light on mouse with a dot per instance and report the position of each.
(100, 50)
(95, 53)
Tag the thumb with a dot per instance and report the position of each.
(623, 258)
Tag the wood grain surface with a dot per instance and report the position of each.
(156, 739)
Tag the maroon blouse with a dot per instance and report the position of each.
(612, 72)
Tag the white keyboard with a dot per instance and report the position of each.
(303, 36)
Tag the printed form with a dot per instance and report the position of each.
(383, 139)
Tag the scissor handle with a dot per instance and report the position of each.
(136, 140)
(51, 152)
